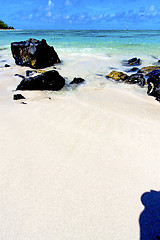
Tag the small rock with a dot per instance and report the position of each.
(132, 62)
(117, 76)
(136, 79)
(77, 81)
(23, 103)
(112, 68)
(6, 65)
(99, 75)
(18, 97)
(18, 75)
(29, 73)
(134, 69)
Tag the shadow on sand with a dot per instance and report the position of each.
(150, 217)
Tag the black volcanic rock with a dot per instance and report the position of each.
(154, 74)
(136, 79)
(134, 69)
(18, 97)
(154, 84)
(77, 81)
(50, 80)
(19, 75)
(132, 62)
(6, 65)
(34, 53)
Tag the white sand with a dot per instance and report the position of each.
(74, 167)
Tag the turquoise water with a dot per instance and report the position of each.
(93, 41)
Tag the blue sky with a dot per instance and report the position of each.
(81, 14)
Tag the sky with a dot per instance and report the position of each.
(81, 14)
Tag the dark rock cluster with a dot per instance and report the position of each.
(149, 75)
(38, 54)
(47, 80)
(137, 78)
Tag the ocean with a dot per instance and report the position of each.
(92, 41)
(90, 54)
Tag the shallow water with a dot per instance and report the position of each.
(103, 41)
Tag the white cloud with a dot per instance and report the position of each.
(49, 3)
(152, 8)
(100, 16)
(67, 17)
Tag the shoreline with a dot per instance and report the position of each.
(8, 29)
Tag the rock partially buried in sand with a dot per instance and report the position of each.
(34, 53)
(18, 97)
(77, 81)
(118, 76)
(134, 69)
(19, 75)
(50, 80)
(133, 79)
(6, 65)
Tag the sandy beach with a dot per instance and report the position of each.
(75, 166)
